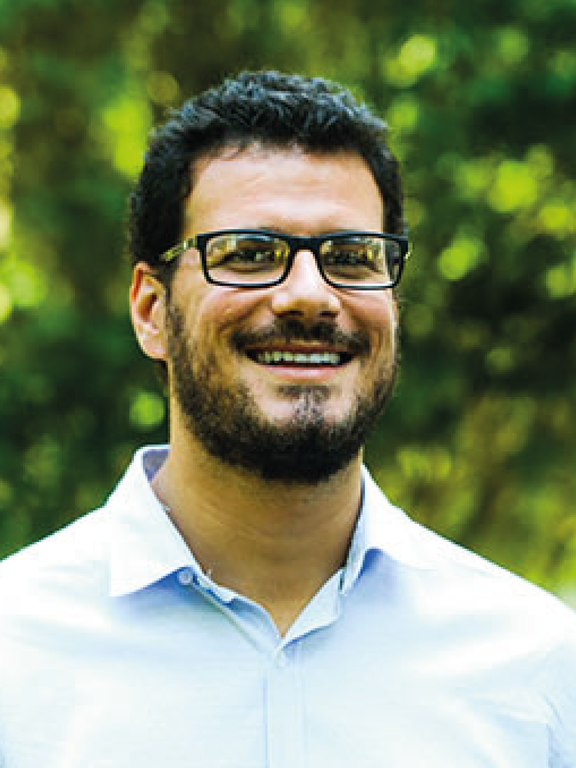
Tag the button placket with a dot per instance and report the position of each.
(284, 711)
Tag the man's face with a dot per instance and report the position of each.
(296, 420)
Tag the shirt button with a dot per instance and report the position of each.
(185, 577)
(281, 660)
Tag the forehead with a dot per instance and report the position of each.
(288, 188)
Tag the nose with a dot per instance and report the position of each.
(304, 292)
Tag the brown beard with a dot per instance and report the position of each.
(228, 424)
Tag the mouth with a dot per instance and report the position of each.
(299, 357)
(297, 347)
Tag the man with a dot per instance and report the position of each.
(247, 597)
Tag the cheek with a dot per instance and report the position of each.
(227, 308)
(215, 319)
(380, 319)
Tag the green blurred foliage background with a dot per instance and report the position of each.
(479, 442)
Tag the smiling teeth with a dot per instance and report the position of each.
(302, 358)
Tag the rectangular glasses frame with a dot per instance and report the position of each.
(295, 243)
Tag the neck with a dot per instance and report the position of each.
(273, 542)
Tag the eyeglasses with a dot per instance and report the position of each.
(256, 258)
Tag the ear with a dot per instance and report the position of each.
(147, 309)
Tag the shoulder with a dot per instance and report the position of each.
(495, 594)
(71, 561)
(498, 635)
(453, 582)
(77, 558)
(486, 581)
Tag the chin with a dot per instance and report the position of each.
(302, 412)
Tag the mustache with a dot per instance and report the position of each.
(291, 330)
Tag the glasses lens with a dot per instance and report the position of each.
(365, 261)
(244, 258)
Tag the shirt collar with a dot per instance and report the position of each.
(145, 546)
(385, 529)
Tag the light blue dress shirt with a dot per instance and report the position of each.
(117, 651)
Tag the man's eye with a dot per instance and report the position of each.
(354, 260)
(349, 258)
(250, 257)
(256, 255)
